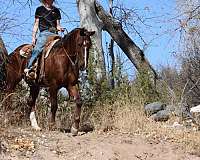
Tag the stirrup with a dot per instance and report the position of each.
(30, 74)
(26, 70)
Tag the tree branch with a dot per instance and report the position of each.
(132, 51)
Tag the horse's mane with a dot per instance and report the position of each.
(69, 37)
(71, 33)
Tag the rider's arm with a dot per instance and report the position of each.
(59, 28)
(35, 29)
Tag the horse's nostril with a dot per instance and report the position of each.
(82, 68)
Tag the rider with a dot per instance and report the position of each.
(47, 19)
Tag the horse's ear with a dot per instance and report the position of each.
(89, 33)
(82, 31)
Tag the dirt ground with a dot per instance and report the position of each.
(25, 144)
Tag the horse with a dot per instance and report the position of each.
(67, 57)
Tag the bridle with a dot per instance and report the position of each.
(73, 63)
(76, 55)
(85, 52)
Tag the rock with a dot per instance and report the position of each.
(195, 109)
(162, 115)
(171, 108)
(153, 108)
(177, 125)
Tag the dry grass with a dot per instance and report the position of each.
(124, 113)
(130, 118)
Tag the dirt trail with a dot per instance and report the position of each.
(24, 144)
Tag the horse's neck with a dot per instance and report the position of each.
(70, 47)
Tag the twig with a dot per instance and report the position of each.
(7, 97)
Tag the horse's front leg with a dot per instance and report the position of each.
(77, 112)
(34, 91)
(54, 106)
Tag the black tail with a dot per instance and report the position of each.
(3, 61)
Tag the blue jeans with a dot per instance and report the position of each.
(41, 40)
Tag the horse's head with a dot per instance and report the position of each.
(84, 43)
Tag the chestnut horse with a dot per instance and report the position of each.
(67, 57)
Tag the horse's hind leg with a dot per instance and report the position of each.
(34, 91)
(7, 99)
(77, 113)
(9, 92)
(54, 107)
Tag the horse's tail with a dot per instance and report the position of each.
(3, 61)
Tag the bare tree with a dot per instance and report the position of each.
(89, 20)
(190, 50)
(111, 52)
(92, 13)
(133, 52)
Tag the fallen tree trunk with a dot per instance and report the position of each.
(132, 51)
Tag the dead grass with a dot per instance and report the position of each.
(124, 113)
(130, 118)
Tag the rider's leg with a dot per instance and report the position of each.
(39, 46)
(37, 49)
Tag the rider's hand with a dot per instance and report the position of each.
(60, 29)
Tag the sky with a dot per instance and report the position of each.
(158, 30)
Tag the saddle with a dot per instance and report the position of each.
(37, 69)
(26, 50)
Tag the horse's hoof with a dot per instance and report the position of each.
(74, 131)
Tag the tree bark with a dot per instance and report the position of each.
(111, 52)
(90, 21)
(3, 50)
(132, 51)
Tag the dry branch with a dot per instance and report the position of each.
(132, 51)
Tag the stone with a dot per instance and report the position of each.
(162, 115)
(153, 108)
